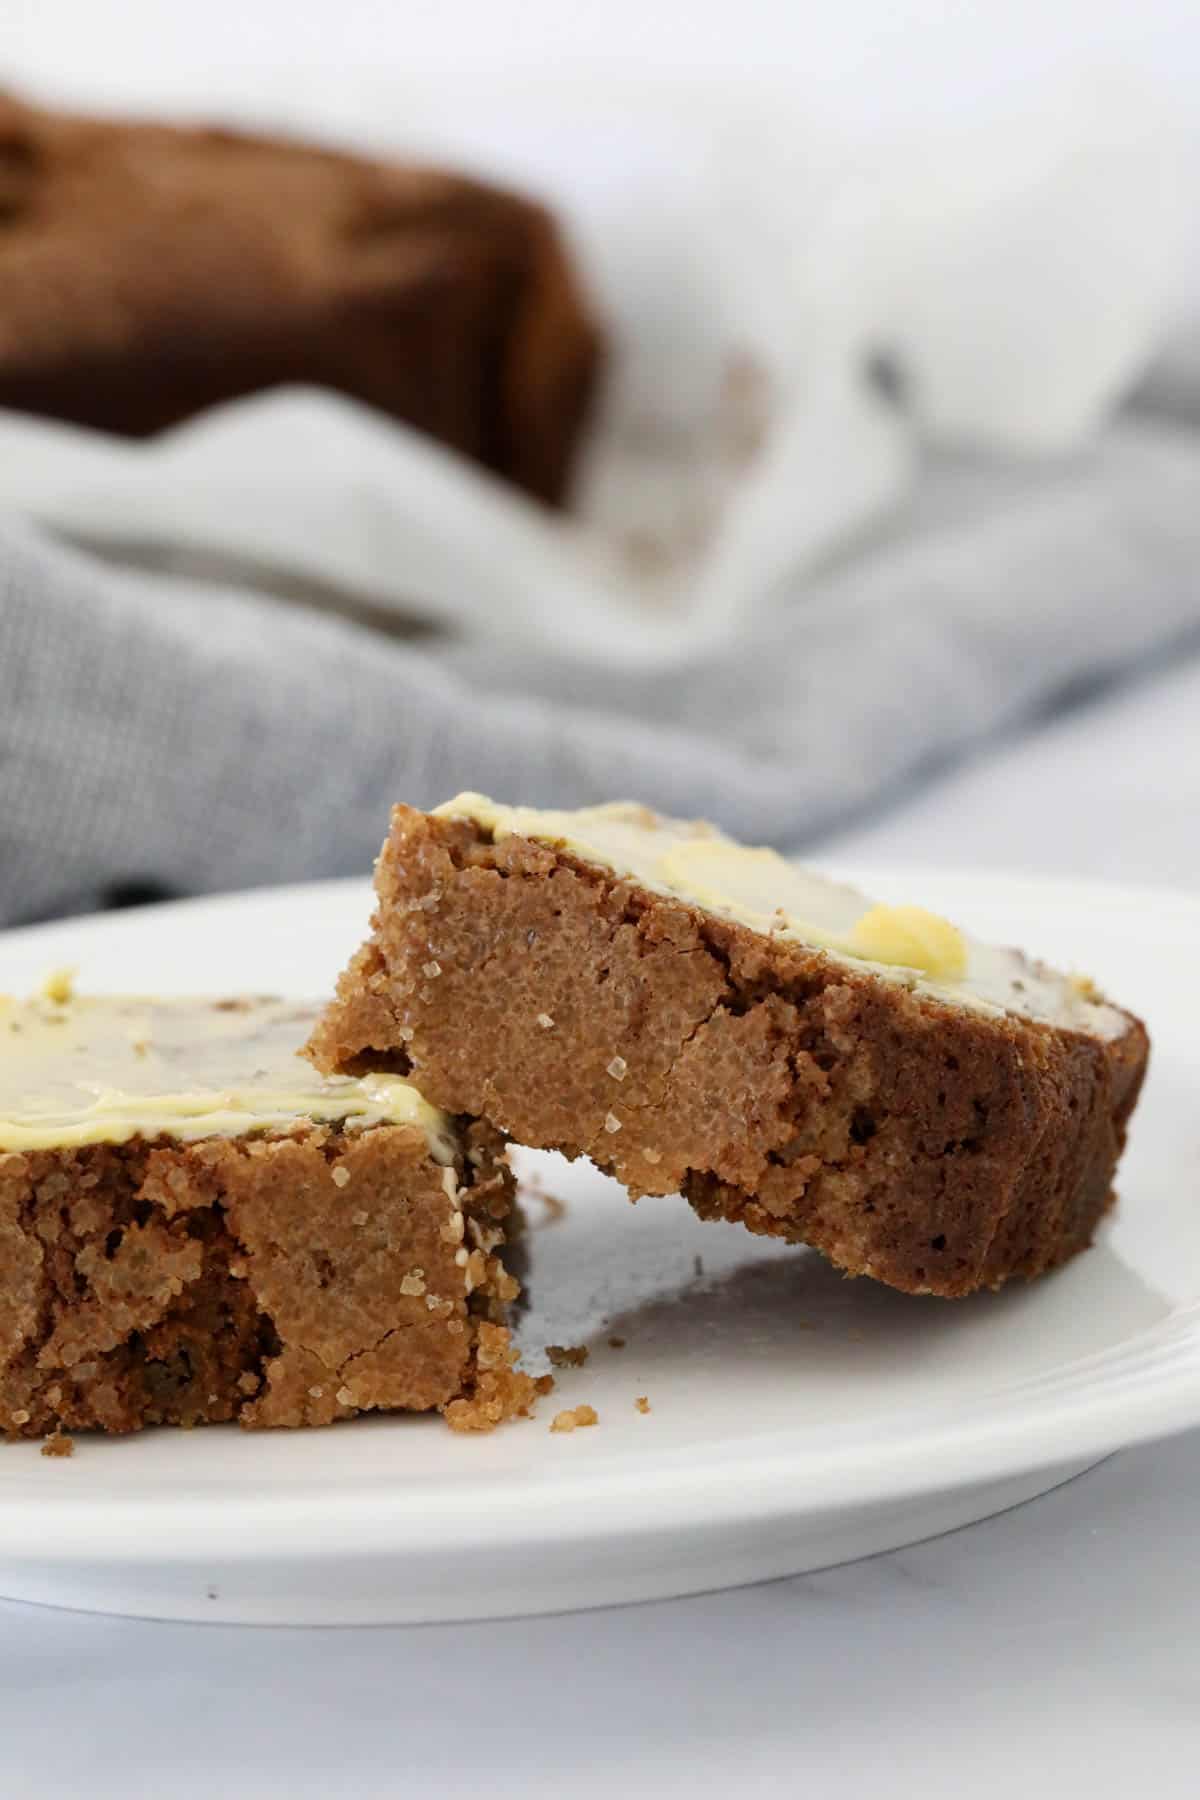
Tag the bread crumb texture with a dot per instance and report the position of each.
(151, 1283)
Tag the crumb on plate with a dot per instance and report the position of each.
(574, 1418)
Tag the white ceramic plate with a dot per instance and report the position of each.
(796, 1419)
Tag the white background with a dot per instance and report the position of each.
(867, 58)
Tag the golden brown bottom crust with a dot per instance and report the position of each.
(932, 1147)
(280, 1281)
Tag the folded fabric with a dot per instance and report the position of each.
(200, 738)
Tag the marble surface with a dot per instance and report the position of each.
(1052, 1650)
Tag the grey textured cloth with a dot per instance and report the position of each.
(202, 738)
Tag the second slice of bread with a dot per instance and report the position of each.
(926, 1139)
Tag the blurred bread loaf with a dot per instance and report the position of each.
(149, 271)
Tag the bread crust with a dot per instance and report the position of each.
(930, 1146)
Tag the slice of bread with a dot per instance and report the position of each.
(194, 1228)
(701, 1018)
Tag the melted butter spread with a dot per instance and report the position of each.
(760, 888)
(912, 938)
(690, 860)
(103, 1070)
